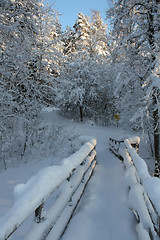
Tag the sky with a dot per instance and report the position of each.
(70, 8)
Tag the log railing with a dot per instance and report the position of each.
(70, 178)
(144, 189)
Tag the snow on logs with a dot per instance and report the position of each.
(72, 177)
(144, 189)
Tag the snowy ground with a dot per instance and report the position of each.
(103, 212)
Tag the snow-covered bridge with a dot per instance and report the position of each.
(104, 211)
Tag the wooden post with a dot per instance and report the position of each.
(38, 214)
(135, 146)
(158, 230)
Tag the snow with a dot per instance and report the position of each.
(33, 191)
(156, 73)
(140, 164)
(151, 184)
(39, 187)
(143, 188)
(136, 198)
(104, 210)
(142, 233)
(130, 176)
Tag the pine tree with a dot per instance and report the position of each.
(99, 40)
(91, 34)
(82, 29)
(68, 38)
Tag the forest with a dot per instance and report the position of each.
(89, 71)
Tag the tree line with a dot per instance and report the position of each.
(89, 71)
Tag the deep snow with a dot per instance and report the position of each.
(103, 212)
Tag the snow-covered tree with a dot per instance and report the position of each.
(49, 52)
(91, 34)
(82, 29)
(50, 37)
(86, 90)
(68, 39)
(98, 36)
(20, 74)
(30, 57)
(136, 28)
(86, 81)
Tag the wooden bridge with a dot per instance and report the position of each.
(71, 177)
(65, 185)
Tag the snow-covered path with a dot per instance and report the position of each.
(103, 212)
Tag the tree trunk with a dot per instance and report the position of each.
(81, 113)
(156, 136)
(151, 39)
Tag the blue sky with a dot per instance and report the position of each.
(70, 9)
